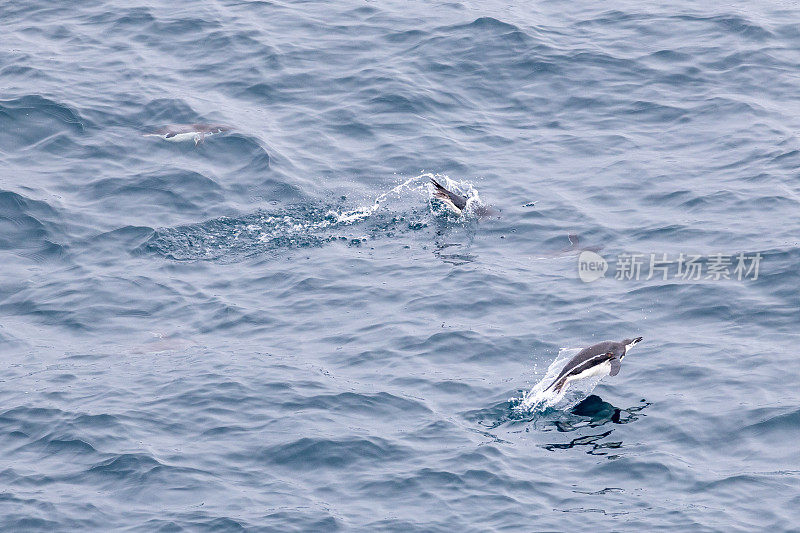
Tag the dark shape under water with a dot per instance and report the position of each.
(599, 413)
(575, 240)
(598, 410)
(591, 412)
(575, 247)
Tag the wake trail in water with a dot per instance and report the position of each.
(355, 215)
(306, 225)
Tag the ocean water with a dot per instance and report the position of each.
(277, 330)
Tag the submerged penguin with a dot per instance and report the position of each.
(602, 359)
(188, 132)
(457, 203)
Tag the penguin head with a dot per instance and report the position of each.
(627, 344)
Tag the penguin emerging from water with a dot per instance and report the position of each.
(602, 359)
(188, 132)
(457, 203)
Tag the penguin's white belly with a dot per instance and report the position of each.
(189, 136)
(449, 205)
(603, 369)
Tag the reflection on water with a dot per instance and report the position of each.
(594, 412)
(448, 253)
(588, 440)
(453, 237)
(591, 412)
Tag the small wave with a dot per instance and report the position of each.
(315, 453)
(32, 119)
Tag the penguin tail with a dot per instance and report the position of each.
(557, 385)
(439, 191)
(454, 201)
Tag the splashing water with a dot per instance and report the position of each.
(417, 183)
(355, 215)
(302, 226)
(540, 399)
(463, 188)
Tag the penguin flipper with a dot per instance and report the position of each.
(615, 366)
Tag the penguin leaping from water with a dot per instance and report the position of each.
(602, 359)
(457, 203)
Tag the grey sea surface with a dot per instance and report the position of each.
(276, 330)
